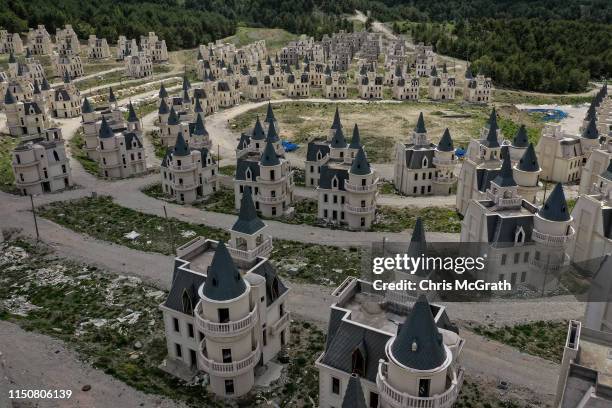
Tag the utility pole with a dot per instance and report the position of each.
(170, 231)
(34, 214)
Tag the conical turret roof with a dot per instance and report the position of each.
(272, 136)
(248, 222)
(9, 98)
(223, 280)
(86, 108)
(163, 107)
(105, 130)
(353, 396)
(270, 114)
(591, 131)
(521, 139)
(269, 156)
(336, 124)
(505, 178)
(356, 140)
(132, 117)
(420, 126)
(529, 161)
(111, 95)
(199, 129)
(446, 142)
(198, 106)
(173, 118)
(418, 344)
(418, 241)
(258, 130)
(360, 165)
(338, 141)
(555, 207)
(181, 149)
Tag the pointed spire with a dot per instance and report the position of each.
(521, 139)
(36, 88)
(173, 118)
(360, 165)
(132, 117)
(111, 95)
(258, 130)
(163, 107)
(198, 106)
(446, 142)
(338, 141)
(418, 241)
(491, 140)
(353, 396)
(356, 140)
(248, 222)
(186, 83)
(591, 131)
(434, 71)
(268, 61)
(468, 72)
(162, 92)
(555, 207)
(45, 85)
(66, 77)
(105, 130)
(186, 98)
(529, 161)
(420, 126)
(181, 149)
(199, 129)
(86, 108)
(492, 121)
(336, 124)
(270, 114)
(505, 178)
(223, 280)
(269, 156)
(272, 136)
(418, 343)
(9, 98)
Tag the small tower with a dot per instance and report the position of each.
(227, 318)
(247, 236)
(112, 100)
(419, 363)
(198, 110)
(552, 232)
(258, 136)
(527, 174)
(337, 146)
(491, 152)
(270, 119)
(39, 97)
(362, 190)
(163, 94)
(354, 146)
(504, 190)
(272, 138)
(336, 124)
(590, 137)
(272, 188)
(163, 112)
(519, 145)
(444, 161)
(199, 136)
(419, 134)
(133, 123)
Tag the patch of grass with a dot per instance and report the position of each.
(100, 80)
(510, 127)
(474, 395)
(101, 218)
(299, 177)
(221, 201)
(517, 97)
(571, 203)
(275, 38)
(7, 178)
(543, 339)
(436, 219)
(160, 150)
(77, 144)
(154, 190)
(229, 170)
(387, 187)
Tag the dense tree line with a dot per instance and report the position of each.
(183, 24)
(557, 56)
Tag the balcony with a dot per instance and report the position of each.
(232, 369)
(189, 167)
(263, 249)
(229, 329)
(360, 210)
(270, 200)
(553, 240)
(444, 180)
(184, 186)
(437, 161)
(398, 399)
(361, 189)
(280, 324)
(551, 266)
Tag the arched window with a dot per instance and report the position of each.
(335, 182)
(248, 174)
(358, 362)
(425, 162)
(519, 236)
(187, 304)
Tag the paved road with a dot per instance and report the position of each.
(34, 361)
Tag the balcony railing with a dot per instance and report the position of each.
(280, 324)
(361, 189)
(360, 210)
(550, 266)
(553, 240)
(437, 161)
(263, 249)
(232, 369)
(271, 199)
(183, 167)
(398, 399)
(229, 329)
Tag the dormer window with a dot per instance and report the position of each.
(248, 174)
(519, 236)
(358, 363)
(425, 162)
(335, 182)
(187, 304)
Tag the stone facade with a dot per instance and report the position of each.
(10, 43)
(66, 102)
(40, 165)
(120, 151)
(39, 41)
(28, 69)
(67, 41)
(139, 65)
(336, 84)
(423, 168)
(126, 47)
(424, 60)
(441, 85)
(97, 48)
(154, 47)
(371, 85)
(25, 119)
(68, 64)
(477, 89)
(406, 89)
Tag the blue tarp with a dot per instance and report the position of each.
(289, 147)
(549, 114)
(459, 152)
